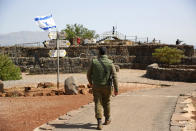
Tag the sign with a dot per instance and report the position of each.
(67, 43)
(53, 53)
(62, 35)
(52, 43)
(52, 35)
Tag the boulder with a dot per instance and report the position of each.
(13, 94)
(41, 84)
(81, 86)
(45, 85)
(117, 68)
(70, 86)
(1, 87)
(48, 85)
(84, 91)
(57, 92)
(27, 89)
(38, 94)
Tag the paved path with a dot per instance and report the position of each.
(146, 110)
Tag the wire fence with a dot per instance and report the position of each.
(32, 44)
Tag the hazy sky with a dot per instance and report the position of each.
(166, 20)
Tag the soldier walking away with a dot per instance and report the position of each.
(101, 75)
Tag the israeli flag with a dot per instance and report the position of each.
(45, 22)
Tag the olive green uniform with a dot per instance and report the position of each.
(99, 79)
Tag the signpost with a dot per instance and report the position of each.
(56, 42)
(53, 53)
(47, 23)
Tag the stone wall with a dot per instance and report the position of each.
(171, 74)
(67, 65)
(78, 58)
(122, 50)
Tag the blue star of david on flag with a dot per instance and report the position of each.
(45, 22)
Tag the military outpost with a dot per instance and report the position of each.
(126, 53)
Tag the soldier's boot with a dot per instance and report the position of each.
(99, 124)
(107, 121)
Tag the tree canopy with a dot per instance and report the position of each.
(78, 30)
(168, 55)
(8, 71)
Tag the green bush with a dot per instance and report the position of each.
(8, 71)
(168, 55)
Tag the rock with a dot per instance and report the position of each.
(13, 94)
(117, 68)
(45, 85)
(81, 86)
(47, 127)
(26, 94)
(84, 91)
(175, 128)
(70, 86)
(57, 92)
(90, 91)
(27, 89)
(48, 85)
(38, 94)
(179, 117)
(1, 87)
(41, 84)
(50, 94)
(89, 86)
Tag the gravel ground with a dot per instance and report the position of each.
(125, 76)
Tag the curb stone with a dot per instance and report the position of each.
(181, 118)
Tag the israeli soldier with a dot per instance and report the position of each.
(100, 74)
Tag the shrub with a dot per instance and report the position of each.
(168, 55)
(8, 71)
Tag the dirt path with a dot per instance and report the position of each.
(27, 113)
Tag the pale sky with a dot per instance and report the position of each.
(165, 20)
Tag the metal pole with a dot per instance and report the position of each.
(136, 38)
(57, 42)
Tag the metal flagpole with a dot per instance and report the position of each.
(57, 44)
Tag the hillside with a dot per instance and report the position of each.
(22, 37)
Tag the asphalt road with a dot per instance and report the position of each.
(144, 110)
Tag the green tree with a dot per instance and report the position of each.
(8, 71)
(77, 30)
(168, 55)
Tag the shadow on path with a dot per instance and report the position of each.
(75, 126)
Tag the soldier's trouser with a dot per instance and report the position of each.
(102, 100)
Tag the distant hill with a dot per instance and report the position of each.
(22, 37)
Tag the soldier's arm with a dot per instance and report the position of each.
(89, 73)
(115, 78)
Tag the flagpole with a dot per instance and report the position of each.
(57, 42)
